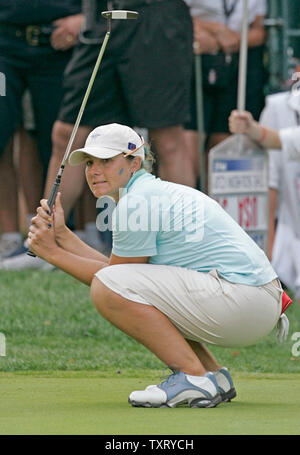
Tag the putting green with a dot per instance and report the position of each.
(87, 403)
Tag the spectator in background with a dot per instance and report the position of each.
(36, 41)
(286, 251)
(217, 30)
(282, 110)
(144, 82)
(20, 171)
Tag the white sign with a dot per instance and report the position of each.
(238, 180)
(242, 175)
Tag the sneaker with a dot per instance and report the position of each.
(23, 261)
(225, 384)
(8, 246)
(17, 251)
(178, 388)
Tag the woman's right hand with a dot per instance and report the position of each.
(56, 218)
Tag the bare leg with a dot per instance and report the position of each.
(174, 160)
(191, 138)
(79, 213)
(205, 356)
(8, 191)
(149, 326)
(90, 211)
(73, 178)
(192, 141)
(31, 172)
(216, 138)
(85, 218)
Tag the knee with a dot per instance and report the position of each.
(97, 293)
(101, 297)
(168, 142)
(60, 136)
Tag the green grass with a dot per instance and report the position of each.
(50, 324)
(85, 403)
(68, 371)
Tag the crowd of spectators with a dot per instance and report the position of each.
(146, 81)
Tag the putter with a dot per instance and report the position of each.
(109, 15)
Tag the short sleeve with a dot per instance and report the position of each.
(261, 8)
(133, 235)
(290, 140)
(275, 160)
(268, 116)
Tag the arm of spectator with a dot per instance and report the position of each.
(228, 40)
(204, 41)
(257, 32)
(243, 122)
(65, 34)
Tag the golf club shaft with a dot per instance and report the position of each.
(242, 78)
(55, 187)
(243, 59)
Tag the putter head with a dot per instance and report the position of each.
(120, 14)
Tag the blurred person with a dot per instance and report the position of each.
(144, 82)
(11, 237)
(217, 30)
(36, 41)
(285, 251)
(21, 173)
(182, 273)
(282, 110)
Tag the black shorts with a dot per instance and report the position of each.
(144, 78)
(40, 69)
(219, 101)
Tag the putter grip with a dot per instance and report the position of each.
(51, 200)
(53, 194)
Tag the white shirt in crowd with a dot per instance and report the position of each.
(282, 112)
(213, 11)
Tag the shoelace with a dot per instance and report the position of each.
(167, 379)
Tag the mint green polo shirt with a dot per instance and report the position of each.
(177, 225)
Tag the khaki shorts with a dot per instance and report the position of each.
(203, 306)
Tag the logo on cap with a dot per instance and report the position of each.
(94, 136)
(131, 146)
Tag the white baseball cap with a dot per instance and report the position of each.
(110, 140)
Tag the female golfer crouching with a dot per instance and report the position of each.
(182, 272)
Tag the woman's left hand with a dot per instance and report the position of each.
(41, 237)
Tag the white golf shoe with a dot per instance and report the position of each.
(179, 388)
(225, 384)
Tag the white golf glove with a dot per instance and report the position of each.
(282, 328)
